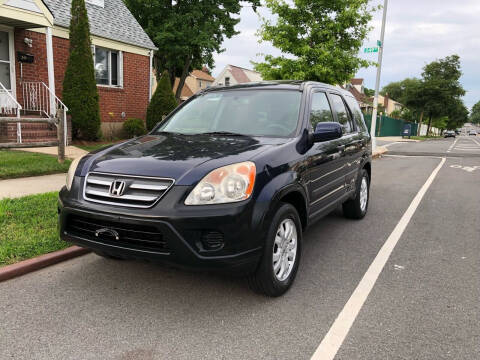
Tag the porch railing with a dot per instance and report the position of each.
(8, 104)
(37, 96)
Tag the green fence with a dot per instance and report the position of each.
(387, 126)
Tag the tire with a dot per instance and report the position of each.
(357, 207)
(269, 279)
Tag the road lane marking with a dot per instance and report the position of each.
(475, 141)
(393, 143)
(466, 168)
(413, 156)
(451, 146)
(337, 333)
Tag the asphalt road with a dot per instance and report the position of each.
(461, 146)
(424, 304)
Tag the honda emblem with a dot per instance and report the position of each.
(117, 188)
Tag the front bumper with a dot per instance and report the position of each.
(169, 232)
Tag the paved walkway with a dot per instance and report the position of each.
(71, 152)
(395, 138)
(14, 188)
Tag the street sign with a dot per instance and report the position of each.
(379, 43)
(371, 50)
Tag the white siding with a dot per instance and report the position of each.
(24, 4)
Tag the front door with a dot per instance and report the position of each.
(7, 63)
(326, 161)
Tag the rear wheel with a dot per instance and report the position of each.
(357, 207)
(279, 264)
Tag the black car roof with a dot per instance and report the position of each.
(278, 84)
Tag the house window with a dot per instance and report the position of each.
(108, 66)
(227, 81)
(199, 84)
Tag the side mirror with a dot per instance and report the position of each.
(327, 131)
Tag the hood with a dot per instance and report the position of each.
(174, 155)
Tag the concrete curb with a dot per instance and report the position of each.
(379, 151)
(39, 262)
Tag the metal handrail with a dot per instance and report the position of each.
(15, 102)
(37, 96)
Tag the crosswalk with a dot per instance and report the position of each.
(465, 144)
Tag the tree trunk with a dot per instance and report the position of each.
(419, 128)
(429, 124)
(181, 83)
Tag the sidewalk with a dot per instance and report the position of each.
(379, 150)
(14, 188)
(71, 152)
(395, 139)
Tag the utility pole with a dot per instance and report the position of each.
(377, 82)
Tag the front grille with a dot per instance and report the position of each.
(136, 191)
(129, 235)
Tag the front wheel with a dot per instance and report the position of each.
(281, 256)
(357, 207)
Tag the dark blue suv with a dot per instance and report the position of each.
(229, 180)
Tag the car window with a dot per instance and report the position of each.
(357, 113)
(342, 113)
(246, 112)
(320, 110)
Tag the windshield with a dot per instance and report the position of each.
(245, 112)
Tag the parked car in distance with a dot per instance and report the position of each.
(458, 131)
(472, 132)
(229, 180)
(449, 133)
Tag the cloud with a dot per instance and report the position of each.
(417, 32)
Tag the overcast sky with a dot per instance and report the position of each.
(417, 32)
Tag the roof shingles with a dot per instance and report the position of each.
(113, 21)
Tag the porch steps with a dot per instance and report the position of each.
(32, 131)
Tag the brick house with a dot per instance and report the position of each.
(34, 50)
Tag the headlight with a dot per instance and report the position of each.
(227, 184)
(71, 172)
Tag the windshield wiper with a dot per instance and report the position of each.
(226, 133)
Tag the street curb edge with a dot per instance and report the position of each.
(26, 266)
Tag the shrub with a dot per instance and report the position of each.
(134, 127)
(162, 102)
(79, 86)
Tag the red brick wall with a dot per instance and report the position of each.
(131, 99)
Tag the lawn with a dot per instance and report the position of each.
(28, 227)
(15, 164)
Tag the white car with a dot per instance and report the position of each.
(472, 132)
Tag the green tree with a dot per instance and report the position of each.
(475, 114)
(162, 102)
(441, 86)
(457, 115)
(369, 92)
(186, 33)
(79, 86)
(320, 39)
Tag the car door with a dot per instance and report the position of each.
(351, 140)
(325, 160)
(357, 146)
